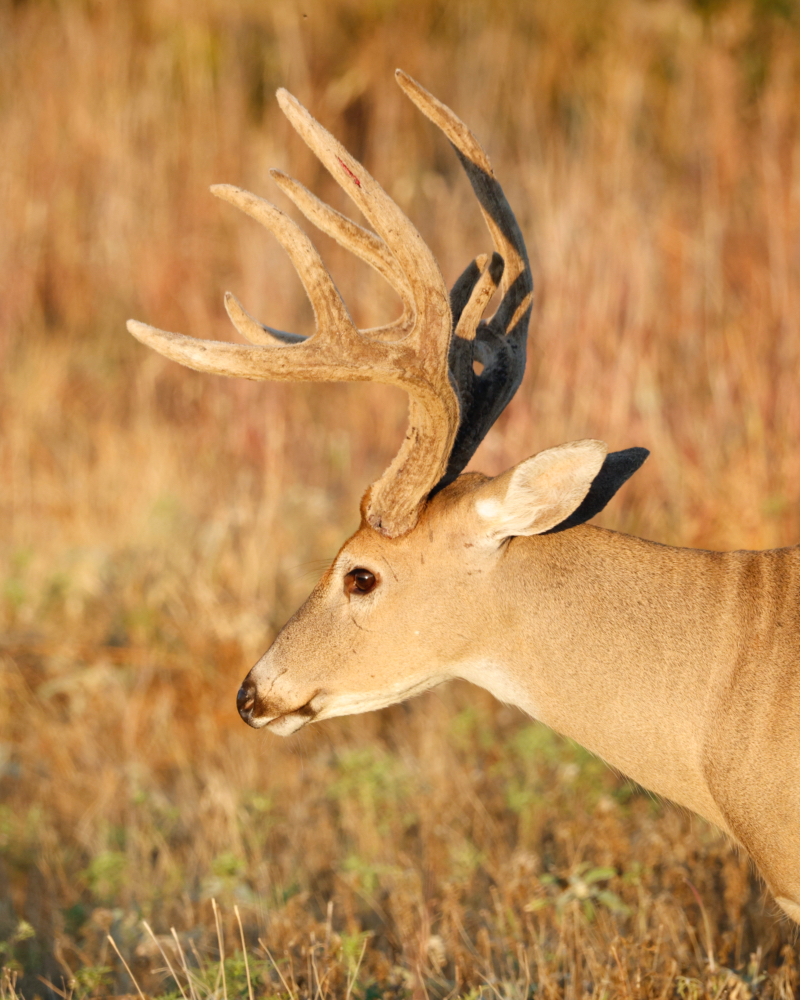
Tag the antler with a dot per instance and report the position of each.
(415, 351)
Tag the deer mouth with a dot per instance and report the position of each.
(290, 722)
(282, 723)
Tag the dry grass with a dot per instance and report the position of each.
(158, 525)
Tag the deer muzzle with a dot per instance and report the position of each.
(260, 711)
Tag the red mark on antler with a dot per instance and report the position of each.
(348, 171)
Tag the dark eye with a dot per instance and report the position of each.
(360, 581)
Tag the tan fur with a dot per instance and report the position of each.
(678, 667)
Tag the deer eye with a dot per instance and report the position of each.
(360, 581)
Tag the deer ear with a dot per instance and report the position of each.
(541, 492)
(617, 469)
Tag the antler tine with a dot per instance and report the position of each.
(497, 213)
(433, 325)
(482, 287)
(500, 344)
(254, 331)
(359, 241)
(332, 318)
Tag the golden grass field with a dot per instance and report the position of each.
(158, 526)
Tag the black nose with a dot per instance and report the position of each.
(246, 698)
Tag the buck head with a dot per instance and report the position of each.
(406, 602)
(393, 617)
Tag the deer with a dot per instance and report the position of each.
(678, 667)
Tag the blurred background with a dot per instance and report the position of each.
(157, 526)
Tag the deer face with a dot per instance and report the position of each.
(387, 621)
(393, 617)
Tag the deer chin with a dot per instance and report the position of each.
(357, 703)
(286, 725)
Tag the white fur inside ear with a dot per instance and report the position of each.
(539, 493)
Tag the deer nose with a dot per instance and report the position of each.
(246, 699)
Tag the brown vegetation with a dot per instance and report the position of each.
(158, 526)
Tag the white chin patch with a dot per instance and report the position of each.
(356, 704)
(258, 722)
(285, 725)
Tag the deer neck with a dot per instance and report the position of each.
(622, 644)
